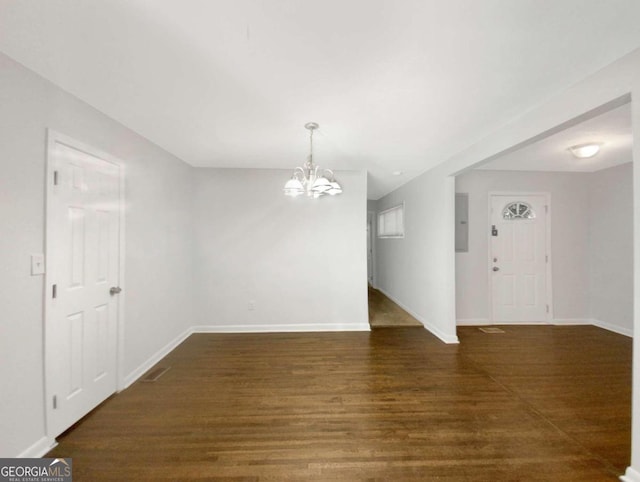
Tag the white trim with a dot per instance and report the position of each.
(557, 322)
(473, 322)
(572, 321)
(122, 297)
(449, 339)
(593, 322)
(631, 475)
(53, 137)
(614, 328)
(520, 323)
(38, 449)
(173, 344)
(373, 235)
(302, 327)
(549, 278)
(155, 358)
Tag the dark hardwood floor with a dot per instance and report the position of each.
(534, 403)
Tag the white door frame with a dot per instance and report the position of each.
(54, 137)
(371, 221)
(549, 290)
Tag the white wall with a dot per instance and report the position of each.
(569, 241)
(416, 271)
(301, 261)
(611, 248)
(158, 242)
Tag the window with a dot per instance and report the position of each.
(518, 210)
(391, 222)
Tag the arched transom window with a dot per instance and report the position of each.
(518, 210)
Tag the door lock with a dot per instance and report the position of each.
(115, 290)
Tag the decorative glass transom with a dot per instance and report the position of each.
(518, 210)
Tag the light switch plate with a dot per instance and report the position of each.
(37, 264)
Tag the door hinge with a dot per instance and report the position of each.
(546, 208)
(546, 258)
(55, 402)
(55, 178)
(547, 308)
(54, 291)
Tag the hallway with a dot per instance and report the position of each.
(385, 313)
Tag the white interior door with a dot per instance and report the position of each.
(83, 224)
(519, 257)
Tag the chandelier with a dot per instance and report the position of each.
(310, 179)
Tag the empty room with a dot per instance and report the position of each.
(205, 205)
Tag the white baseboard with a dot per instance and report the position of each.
(611, 327)
(473, 322)
(558, 321)
(450, 339)
(44, 445)
(600, 324)
(485, 321)
(284, 328)
(155, 358)
(38, 449)
(572, 321)
(169, 347)
(631, 475)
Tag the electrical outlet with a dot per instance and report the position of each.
(251, 305)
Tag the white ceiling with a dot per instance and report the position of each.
(612, 129)
(394, 85)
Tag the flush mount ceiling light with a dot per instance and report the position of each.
(584, 151)
(309, 179)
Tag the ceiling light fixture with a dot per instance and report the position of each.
(584, 151)
(305, 180)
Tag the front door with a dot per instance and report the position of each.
(83, 224)
(518, 258)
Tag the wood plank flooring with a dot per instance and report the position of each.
(534, 403)
(576, 378)
(383, 312)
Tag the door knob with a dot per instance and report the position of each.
(495, 268)
(115, 290)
